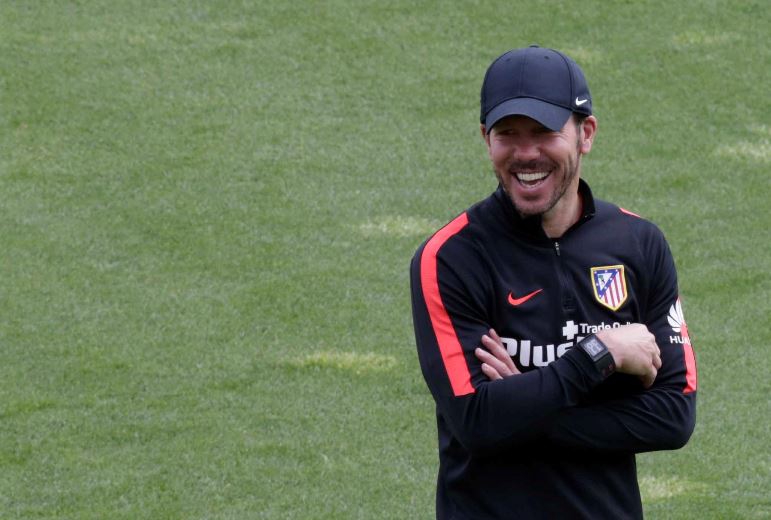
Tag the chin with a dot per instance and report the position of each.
(529, 211)
(529, 208)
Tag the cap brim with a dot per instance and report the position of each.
(551, 116)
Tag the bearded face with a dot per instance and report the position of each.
(538, 168)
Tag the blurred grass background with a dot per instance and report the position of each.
(208, 209)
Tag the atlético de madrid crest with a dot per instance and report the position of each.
(609, 285)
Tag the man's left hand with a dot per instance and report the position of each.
(496, 362)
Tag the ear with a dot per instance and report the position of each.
(485, 135)
(588, 132)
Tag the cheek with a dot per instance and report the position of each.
(498, 154)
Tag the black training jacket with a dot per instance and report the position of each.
(557, 441)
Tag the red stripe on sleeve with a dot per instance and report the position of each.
(629, 212)
(449, 346)
(690, 369)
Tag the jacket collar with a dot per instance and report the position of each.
(530, 227)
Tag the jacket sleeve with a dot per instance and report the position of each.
(661, 417)
(449, 304)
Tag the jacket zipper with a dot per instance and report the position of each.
(568, 305)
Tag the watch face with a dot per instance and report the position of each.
(593, 348)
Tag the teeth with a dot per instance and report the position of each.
(531, 177)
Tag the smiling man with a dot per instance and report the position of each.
(548, 323)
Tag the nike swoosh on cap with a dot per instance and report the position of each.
(519, 301)
(580, 102)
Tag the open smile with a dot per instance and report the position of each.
(532, 179)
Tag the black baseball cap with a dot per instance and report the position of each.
(536, 82)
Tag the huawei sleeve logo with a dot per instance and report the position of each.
(519, 301)
(677, 322)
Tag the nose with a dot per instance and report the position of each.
(525, 150)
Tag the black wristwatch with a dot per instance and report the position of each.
(598, 353)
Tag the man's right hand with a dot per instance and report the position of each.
(634, 351)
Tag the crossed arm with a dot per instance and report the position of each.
(485, 403)
(655, 419)
(633, 348)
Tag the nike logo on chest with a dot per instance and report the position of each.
(519, 301)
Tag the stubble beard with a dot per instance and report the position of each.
(571, 172)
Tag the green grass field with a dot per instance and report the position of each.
(207, 212)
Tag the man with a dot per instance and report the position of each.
(548, 323)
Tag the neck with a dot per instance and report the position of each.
(563, 215)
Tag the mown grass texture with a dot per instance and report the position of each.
(208, 210)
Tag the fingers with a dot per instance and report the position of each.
(490, 372)
(657, 360)
(634, 350)
(656, 365)
(496, 349)
(494, 344)
(653, 368)
(493, 362)
(495, 337)
(496, 362)
(649, 378)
